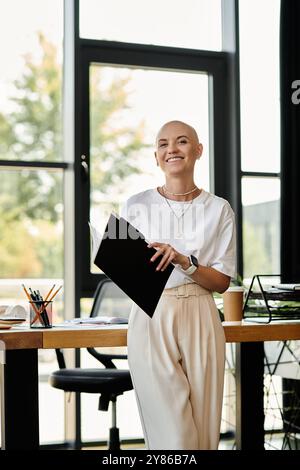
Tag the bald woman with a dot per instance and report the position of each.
(177, 357)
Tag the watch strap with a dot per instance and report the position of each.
(191, 269)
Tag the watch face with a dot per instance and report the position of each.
(194, 260)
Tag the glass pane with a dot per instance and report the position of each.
(51, 424)
(95, 424)
(193, 24)
(31, 228)
(31, 34)
(128, 106)
(259, 69)
(31, 252)
(128, 418)
(261, 226)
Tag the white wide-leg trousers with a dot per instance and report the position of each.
(177, 363)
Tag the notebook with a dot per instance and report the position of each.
(123, 255)
(99, 320)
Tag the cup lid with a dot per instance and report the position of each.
(235, 289)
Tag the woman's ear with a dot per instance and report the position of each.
(200, 150)
(156, 159)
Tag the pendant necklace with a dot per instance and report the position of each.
(180, 220)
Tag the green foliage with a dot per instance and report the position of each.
(36, 121)
(238, 281)
(17, 250)
(49, 251)
(255, 257)
(114, 149)
(32, 131)
(30, 200)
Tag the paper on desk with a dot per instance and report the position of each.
(96, 239)
(13, 311)
(99, 320)
(287, 286)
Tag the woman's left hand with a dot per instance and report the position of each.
(169, 255)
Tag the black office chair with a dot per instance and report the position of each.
(109, 382)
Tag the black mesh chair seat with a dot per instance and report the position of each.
(114, 382)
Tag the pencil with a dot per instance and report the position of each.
(45, 311)
(52, 297)
(46, 298)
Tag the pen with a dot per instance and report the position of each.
(44, 312)
(35, 297)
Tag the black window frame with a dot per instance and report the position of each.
(214, 64)
(225, 172)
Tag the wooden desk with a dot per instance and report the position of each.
(19, 397)
(106, 336)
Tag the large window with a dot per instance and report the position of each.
(261, 225)
(128, 88)
(127, 107)
(260, 135)
(31, 80)
(260, 161)
(32, 170)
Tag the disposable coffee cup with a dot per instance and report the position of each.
(233, 300)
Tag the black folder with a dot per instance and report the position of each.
(124, 257)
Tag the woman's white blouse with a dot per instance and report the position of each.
(204, 228)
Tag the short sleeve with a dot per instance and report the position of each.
(124, 211)
(224, 258)
(128, 212)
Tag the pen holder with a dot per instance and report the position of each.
(40, 315)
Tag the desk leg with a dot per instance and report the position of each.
(20, 405)
(250, 396)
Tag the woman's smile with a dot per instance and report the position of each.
(174, 159)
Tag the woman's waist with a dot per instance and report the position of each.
(186, 289)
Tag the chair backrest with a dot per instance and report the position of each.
(111, 301)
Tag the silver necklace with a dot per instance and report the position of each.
(180, 220)
(179, 194)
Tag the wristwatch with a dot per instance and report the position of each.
(193, 265)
